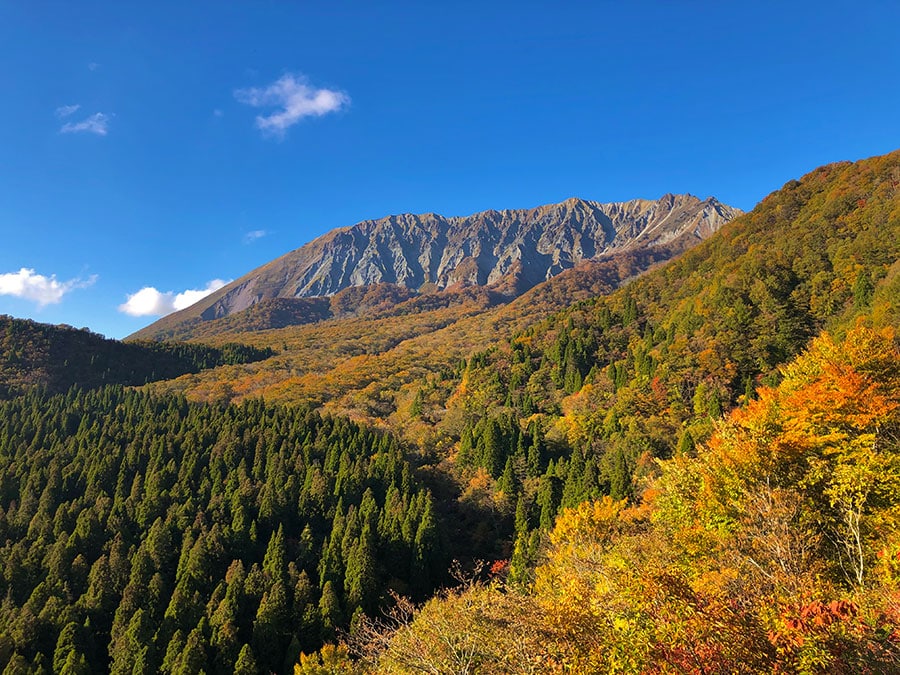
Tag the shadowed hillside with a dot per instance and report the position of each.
(58, 357)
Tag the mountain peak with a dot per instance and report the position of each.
(574, 201)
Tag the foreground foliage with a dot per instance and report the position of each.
(774, 548)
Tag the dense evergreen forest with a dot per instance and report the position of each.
(145, 534)
(58, 357)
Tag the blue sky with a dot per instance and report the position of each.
(168, 145)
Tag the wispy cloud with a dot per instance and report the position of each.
(293, 99)
(253, 235)
(29, 285)
(150, 302)
(97, 123)
(66, 110)
(93, 65)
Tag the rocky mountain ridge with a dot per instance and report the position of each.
(513, 250)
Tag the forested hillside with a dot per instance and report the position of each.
(775, 548)
(613, 383)
(58, 357)
(144, 534)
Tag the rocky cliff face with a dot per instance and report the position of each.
(514, 249)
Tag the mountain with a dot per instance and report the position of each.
(509, 250)
(708, 327)
(368, 363)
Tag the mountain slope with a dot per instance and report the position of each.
(368, 364)
(514, 250)
(742, 558)
(643, 372)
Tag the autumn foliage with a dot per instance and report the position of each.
(773, 548)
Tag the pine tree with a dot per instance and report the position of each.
(193, 658)
(359, 579)
(274, 560)
(508, 482)
(246, 663)
(330, 610)
(549, 495)
(270, 627)
(685, 443)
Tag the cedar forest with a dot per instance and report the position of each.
(691, 469)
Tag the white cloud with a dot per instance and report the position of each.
(29, 285)
(93, 65)
(66, 110)
(95, 124)
(188, 298)
(293, 99)
(150, 302)
(253, 235)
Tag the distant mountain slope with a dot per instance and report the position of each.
(363, 362)
(57, 357)
(512, 250)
